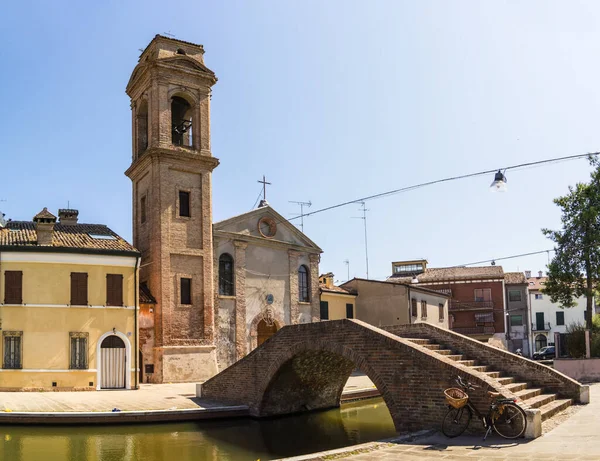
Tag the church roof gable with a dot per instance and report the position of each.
(246, 224)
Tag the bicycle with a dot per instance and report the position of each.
(504, 416)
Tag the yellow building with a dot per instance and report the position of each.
(336, 302)
(68, 302)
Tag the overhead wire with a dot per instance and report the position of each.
(437, 181)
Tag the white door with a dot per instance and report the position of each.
(112, 362)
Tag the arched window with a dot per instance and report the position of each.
(181, 122)
(226, 287)
(303, 285)
(540, 341)
(142, 127)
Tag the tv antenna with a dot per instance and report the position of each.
(169, 34)
(364, 218)
(347, 263)
(302, 205)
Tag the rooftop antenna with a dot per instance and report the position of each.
(169, 34)
(364, 218)
(302, 205)
(347, 263)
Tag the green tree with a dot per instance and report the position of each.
(575, 269)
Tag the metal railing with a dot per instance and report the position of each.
(541, 327)
(481, 330)
(470, 305)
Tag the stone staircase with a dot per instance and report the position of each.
(548, 403)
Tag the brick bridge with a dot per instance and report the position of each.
(305, 367)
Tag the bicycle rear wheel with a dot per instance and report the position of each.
(456, 421)
(509, 421)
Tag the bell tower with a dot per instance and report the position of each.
(172, 208)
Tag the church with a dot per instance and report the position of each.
(209, 292)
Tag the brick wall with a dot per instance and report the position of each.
(305, 366)
(465, 292)
(513, 365)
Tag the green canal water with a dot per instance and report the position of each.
(236, 439)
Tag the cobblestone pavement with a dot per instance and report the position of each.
(148, 397)
(576, 438)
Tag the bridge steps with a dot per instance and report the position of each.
(541, 400)
(549, 404)
(527, 394)
(493, 374)
(552, 408)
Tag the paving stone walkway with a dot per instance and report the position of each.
(148, 397)
(577, 438)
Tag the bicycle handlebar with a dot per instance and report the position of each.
(465, 384)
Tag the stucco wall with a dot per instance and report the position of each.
(50, 283)
(583, 370)
(337, 304)
(46, 319)
(544, 305)
(380, 303)
(267, 272)
(262, 268)
(433, 310)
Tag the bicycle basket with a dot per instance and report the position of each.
(456, 398)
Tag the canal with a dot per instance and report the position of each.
(236, 439)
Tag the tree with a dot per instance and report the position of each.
(575, 269)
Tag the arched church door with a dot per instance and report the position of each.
(112, 362)
(265, 331)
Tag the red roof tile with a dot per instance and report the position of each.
(83, 236)
(443, 274)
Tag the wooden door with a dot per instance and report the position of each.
(265, 331)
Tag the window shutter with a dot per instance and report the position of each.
(13, 283)
(7, 350)
(73, 353)
(114, 290)
(79, 288)
(324, 310)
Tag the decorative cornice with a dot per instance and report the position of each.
(260, 241)
(176, 157)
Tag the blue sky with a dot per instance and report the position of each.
(332, 101)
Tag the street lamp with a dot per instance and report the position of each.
(499, 183)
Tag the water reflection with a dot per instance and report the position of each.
(240, 439)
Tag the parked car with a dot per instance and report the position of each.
(545, 353)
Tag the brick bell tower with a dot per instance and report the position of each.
(172, 209)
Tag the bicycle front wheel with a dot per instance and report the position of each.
(456, 421)
(509, 420)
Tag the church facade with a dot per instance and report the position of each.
(189, 327)
(266, 276)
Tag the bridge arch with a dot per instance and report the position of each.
(311, 375)
(305, 366)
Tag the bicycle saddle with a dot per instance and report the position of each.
(494, 395)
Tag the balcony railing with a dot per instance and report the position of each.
(541, 326)
(487, 330)
(470, 305)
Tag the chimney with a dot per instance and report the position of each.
(67, 216)
(528, 274)
(44, 226)
(540, 274)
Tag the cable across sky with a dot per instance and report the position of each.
(452, 178)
